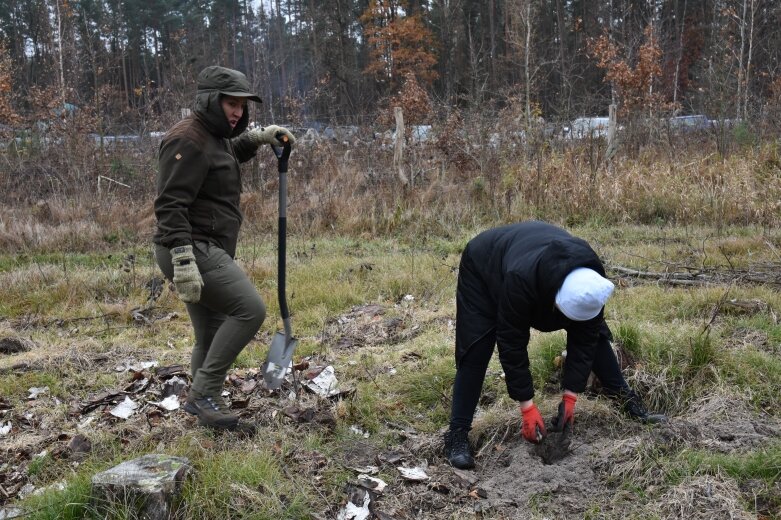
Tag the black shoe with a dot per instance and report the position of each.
(457, 449)
(632, 405)
(212, 411)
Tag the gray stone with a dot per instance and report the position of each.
(146, 488)
(6, 513)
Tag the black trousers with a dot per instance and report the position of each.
(472, 367)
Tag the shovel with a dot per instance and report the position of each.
(280, 354)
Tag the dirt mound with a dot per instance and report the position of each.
(521, 478)
(607, 452)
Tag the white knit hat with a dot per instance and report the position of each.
(583, 294)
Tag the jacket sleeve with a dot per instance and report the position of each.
(182, 170)
(244, 148)
(582, 337)
(512, 337)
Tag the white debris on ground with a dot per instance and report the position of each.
(416, 474)
(36, 391)
(353, 511)
(136, 367)
(358, 431)
(124, 409)
(170, 403)
(375, 484)
(325, 383)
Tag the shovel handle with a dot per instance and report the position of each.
(282, 154)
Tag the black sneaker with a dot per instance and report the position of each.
(457, 449)
(633, 406)
(211, 411)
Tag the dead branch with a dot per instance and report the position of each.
(766, 275)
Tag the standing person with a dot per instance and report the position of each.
(519, 276)
(198, 220)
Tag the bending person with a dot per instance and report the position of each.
(511, 279)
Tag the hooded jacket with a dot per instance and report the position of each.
(508, 283)
(199, 179)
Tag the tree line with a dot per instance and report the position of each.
(130, 62)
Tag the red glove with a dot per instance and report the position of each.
(533, 427)
(566, 417)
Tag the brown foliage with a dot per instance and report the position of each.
(399, 45)
(43, 101)
(637, 85)
(414, 102)
(451, 142)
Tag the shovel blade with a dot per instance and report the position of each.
(280, 354)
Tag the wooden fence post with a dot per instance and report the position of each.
(398, 154)
(612, 141)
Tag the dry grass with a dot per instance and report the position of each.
(702, 498)
(354, 189)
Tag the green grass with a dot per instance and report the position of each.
(253, 485)
(17, 385)
(759, 373)
(682, 352)
(630, 337)
(761, 464)
(72, 503)
(542, 350)
(702, 353)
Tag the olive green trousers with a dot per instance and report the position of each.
(226, 318)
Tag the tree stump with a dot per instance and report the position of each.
(146, 488)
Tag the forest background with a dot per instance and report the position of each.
(131, 62)
(88, 87)
(683, 202)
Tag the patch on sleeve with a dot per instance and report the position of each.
(178, 156)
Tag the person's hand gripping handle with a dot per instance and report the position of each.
(282, 152)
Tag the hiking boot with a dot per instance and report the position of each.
(632, 405)
(211, 411)
(457, 449)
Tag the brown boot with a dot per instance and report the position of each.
(211, 410)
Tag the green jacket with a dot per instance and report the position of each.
(199, 179)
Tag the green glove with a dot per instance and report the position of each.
(187, 278)
(268, 135)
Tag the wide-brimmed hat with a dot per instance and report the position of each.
(227, 82)
(583, 294)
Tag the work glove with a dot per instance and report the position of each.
(566, 416)
(268, 135)
(533, 427)
(187, 278)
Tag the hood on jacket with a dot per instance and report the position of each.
(558, 259)
(213, 83)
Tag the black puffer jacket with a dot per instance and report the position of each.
(509, 279)
(199, 179)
